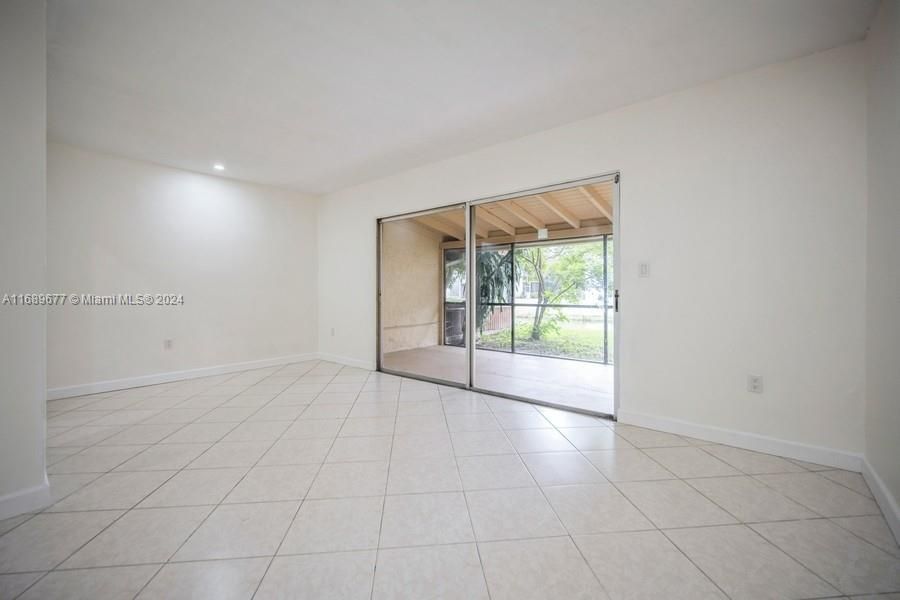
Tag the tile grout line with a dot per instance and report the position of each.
(92, 538)
(99, 443)
(387, 482)
(214, 507)
(550, 504)
(212, 510)
(105, 528)
(662, 531)
(580, 453)
(305, 495)
(796, 560)
(466, 497)
(651, 521)
(739, 522)
(493, 412)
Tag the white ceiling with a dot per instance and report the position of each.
(317, 95)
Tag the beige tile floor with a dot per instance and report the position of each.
(320, 481)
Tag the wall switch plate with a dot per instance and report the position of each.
(332, 332)
(644, 270)
(167, 344)
(755, 384)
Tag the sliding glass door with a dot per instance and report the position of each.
(543, 310)
(422, 284)
(513, 296)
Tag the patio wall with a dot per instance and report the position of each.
(411, 276)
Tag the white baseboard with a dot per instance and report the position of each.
(23, 501)
(749, 441)
(142, 380)
(884, 497)
(350, 362)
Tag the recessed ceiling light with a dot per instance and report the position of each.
(219, 167)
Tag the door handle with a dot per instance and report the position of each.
(616, 300)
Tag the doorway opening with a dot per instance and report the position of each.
(525, 304)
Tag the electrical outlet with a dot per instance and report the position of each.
(167, 344)
(755, 384)
(644, 270)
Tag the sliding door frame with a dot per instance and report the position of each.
(379, 355)
(471, 293)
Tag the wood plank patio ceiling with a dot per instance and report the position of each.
(565, 212)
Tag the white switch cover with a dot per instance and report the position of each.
(644, 270)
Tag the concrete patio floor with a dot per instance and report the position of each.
(570, 383)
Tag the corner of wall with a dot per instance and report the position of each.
(883, 496)
(25, 501)
(881, 467)
(23, 237)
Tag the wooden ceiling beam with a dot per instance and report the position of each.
(563, 233)
(523, 214)
(597, 201)
(481, 230)
(485, 214)
(443, 226)
(557, 207)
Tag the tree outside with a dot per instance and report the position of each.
(546, 276)
(559, 297)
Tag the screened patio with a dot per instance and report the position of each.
(544, 305)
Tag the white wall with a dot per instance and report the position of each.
(23, 219)
(883, 274)
(748, 198)
(242, 255)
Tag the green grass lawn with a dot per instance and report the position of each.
(573, 339)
